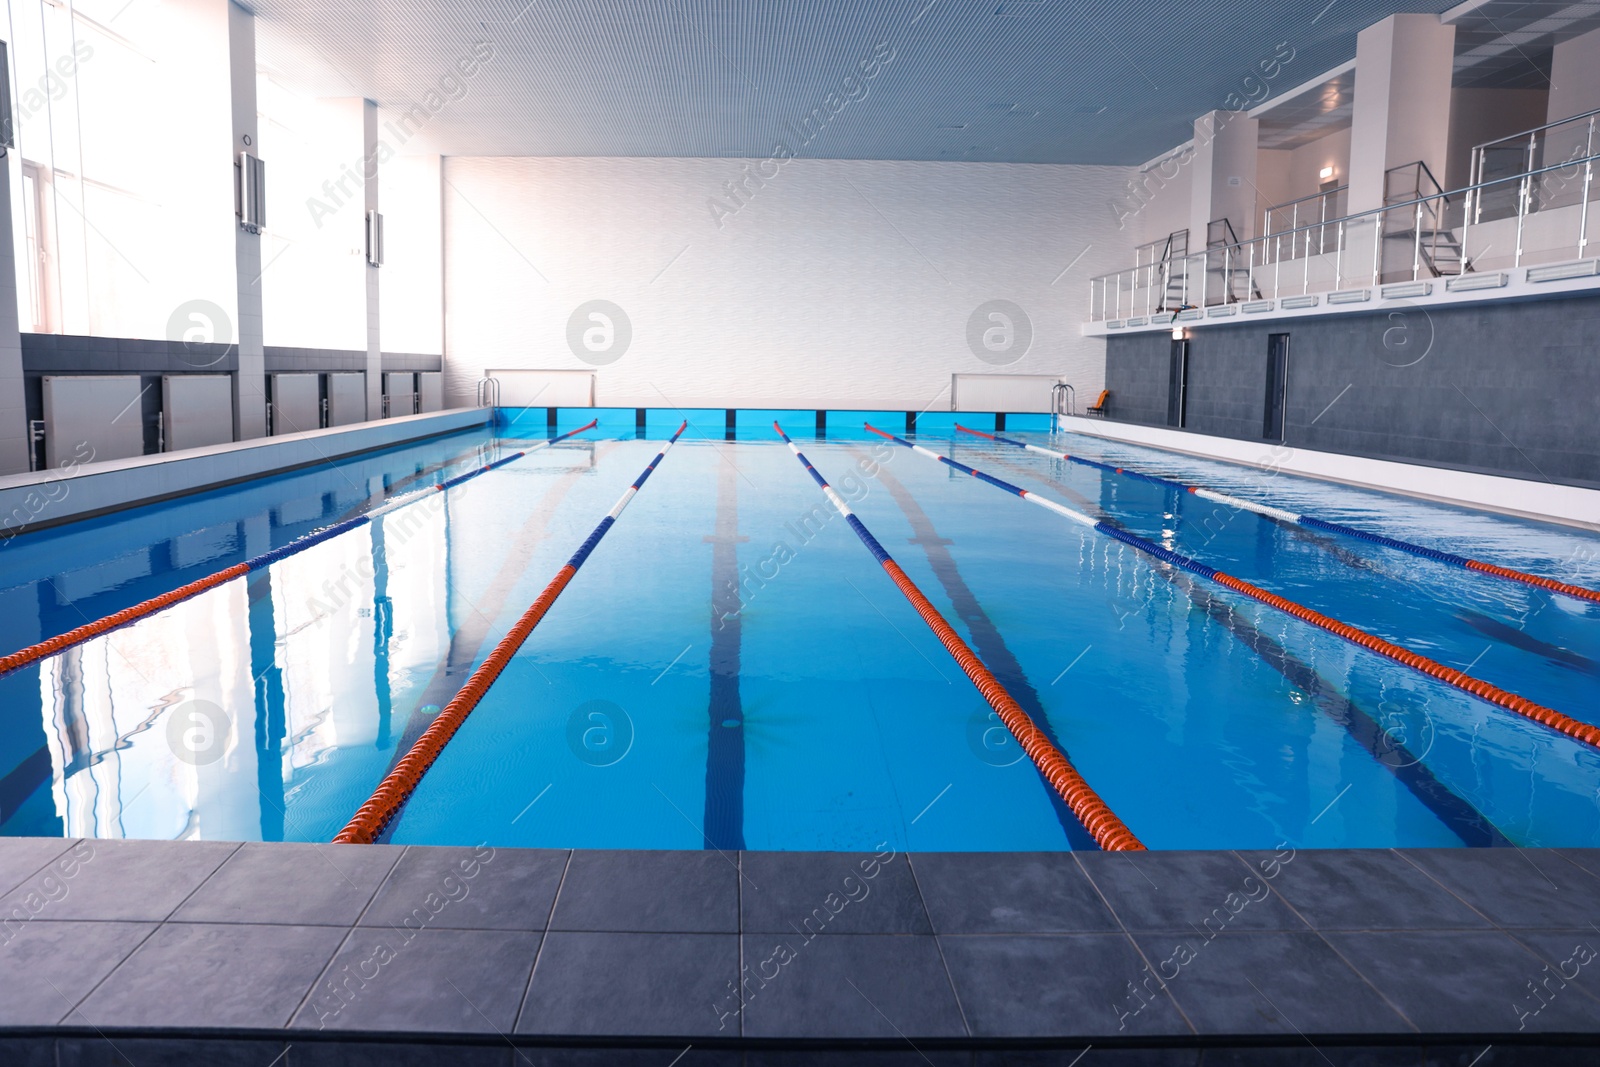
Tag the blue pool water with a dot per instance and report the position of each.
(732, 669)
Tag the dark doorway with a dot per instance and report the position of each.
(1178, 384)
(1277, 386)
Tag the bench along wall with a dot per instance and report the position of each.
(1503, 388)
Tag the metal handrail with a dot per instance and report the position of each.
(1408, 203)
(1243, 255)
(1063, 399)
(1537, 129)
(488, 392)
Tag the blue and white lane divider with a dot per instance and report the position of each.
(1581, 731)
(33, 653)
(372, 818)
(1108, 831)
(1312, 522)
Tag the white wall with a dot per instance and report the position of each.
(1574, 77)
(314, 271)
(838, 283)
(1480, 115)
(411, 303)
(1287, 174)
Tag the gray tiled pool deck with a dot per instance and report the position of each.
(145, 953)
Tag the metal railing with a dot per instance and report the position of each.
(1559, 142)
(1423, 237)
(1316, 210)
(1063, 399)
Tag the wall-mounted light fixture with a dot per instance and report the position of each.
(375, 238)
(250, 193)
(1326, 173)
(1179, 333)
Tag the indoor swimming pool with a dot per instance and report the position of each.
(731, 669)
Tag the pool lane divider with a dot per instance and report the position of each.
(1108, 831)
(373, 817)
(1555, 720)
(1311, 521)
(33, 653)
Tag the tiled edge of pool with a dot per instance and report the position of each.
(1529, 498)
(150, 952)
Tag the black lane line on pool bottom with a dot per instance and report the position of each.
(991, 645)
(267, 681)
(724, 812)
(1458, 814)
(468, 637)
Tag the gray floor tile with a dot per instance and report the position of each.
(655, 984)
(295, 884)
(400, 1054)
(1100, 1057)
(1514, 887)
(1062, 985)
(444, 981)
(693, 1056)
(1572, 956)
(1009, 892)
(28, 1051)
(1187, 891)
(1587, 858)
(128, 881)
(47, 967)
(907, 1057)
(655, 892)
(122, 1050)
(830, 892)
(225, 975)
(1320, 1055)
(848, 986)
(458, 888)
(1267, 982)
(21, 857)
(1463, 982)
(1509, 1056)
(1362, 889)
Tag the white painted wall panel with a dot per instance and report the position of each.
(545, 388)
(838, 282)
(296, 403)
(347, 399)
(100, 411)
(430, 391)
(196, 410)
(401, 389)
(1003, 392)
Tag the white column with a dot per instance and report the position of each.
(13, 411)
(1404, 66)
(1575, 77)
(1223, 182)
(249, 383)
(369, 174)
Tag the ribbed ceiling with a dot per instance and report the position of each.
(993, 80)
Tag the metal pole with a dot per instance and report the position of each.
(1378, 243)
(1522, 212)
(1416, 246)
(1338, 257)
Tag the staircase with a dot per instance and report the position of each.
(1438, 252)
(1237, 284)
(1174, 250)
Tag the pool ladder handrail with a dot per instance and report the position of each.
(488, 392)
